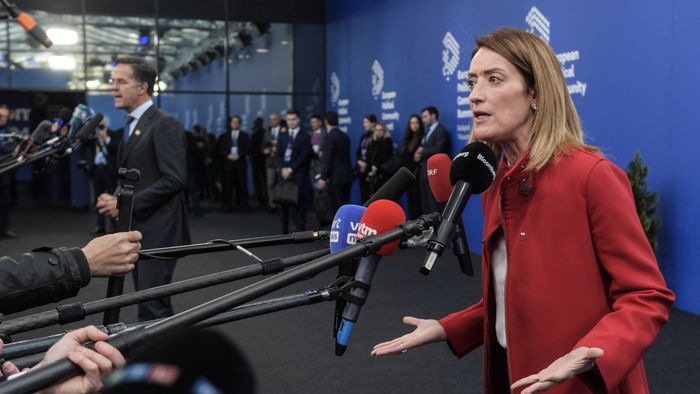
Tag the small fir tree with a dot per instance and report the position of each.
(645, 201)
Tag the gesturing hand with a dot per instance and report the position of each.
(575, 362)
(427, 331)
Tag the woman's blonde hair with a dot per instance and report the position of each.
(555, 127)
(387, 132)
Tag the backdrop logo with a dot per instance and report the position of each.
(450, 55)
(540, 26)
(377, 78)
(335, 88)
(538, 23)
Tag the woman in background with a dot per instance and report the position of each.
(361, 158)
(411, 141)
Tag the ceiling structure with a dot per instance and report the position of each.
(190, 34)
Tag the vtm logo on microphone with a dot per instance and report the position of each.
(365, 231)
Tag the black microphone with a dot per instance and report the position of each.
(472, 172)
(87, 132)
(38, 137)
(28, 24)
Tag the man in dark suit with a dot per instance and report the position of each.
(436, 140)
(257, 162)
(154, 143)
(102, 167)
(335, 172)
(293, 160)
(234, 147)
(270, 151)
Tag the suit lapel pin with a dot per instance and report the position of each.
(137, 132)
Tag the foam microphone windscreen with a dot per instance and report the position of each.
(394, 187)
(475, 164)
(439, 176)
(380, 217)
(345, 225)
(60, 124)
(42, 132)
(185, 361)
(88, 131)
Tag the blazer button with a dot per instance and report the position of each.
(522, 235)
(53, 260)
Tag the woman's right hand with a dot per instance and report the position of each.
(427, 331)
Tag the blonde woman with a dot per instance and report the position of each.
(572, 294)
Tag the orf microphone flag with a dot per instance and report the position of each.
(381, 216)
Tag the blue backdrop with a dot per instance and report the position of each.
(631, 69)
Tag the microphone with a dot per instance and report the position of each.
(391, 190)
(343, 234)
(28, 24)
(61, 126)
(81, 114)
(40, 135)
(439, 180)
(87, 132)
(472, 172)
(380, 217)
(394, 187)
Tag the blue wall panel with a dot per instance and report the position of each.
(631, 69)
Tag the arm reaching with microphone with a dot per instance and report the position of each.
(96, 364)
(59, 273)
(427, 331)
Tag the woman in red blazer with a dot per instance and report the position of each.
(573, 296)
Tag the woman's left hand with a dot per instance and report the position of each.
(577, 361)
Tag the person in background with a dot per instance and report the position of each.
(361, 157)
(293, 160)
(379, 152)
(270, 151)
(7, 146)
(154, 143)
(318, 134)
(212, 163)
(335, 171)
(436, 140)
(572, 296)
(196, 170)
(102, 168)
(411, 142)
(234, 146)
(257, 161)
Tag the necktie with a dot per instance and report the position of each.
(127, 128)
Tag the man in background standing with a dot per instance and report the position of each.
(102, 159)
(436, 140)
(335, 173)
(234, 147)
(270, 150)
(154, 143)
(293, 160)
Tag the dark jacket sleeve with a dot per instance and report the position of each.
(300, 162)
(243, 144)
(442, 143)
(170, 152)
(41, 277)
(329, 153)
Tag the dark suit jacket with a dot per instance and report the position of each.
(336, 166)
(243, 144)
(439, 142)
(257, 143)
(157, 149)
(301, 158)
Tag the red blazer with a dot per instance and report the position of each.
(580, 273)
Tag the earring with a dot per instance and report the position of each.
(534, 106)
